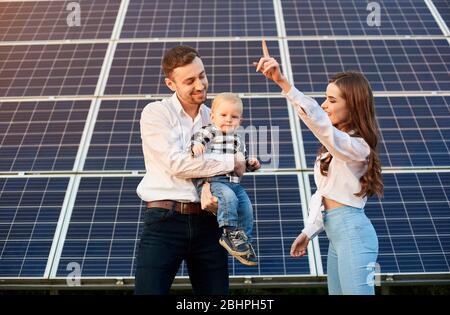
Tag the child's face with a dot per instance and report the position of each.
(226, 116)
(335, 106)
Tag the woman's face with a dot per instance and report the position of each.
(335, 106)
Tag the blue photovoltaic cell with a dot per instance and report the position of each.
(49, 20)
(412, 222)
(389, 65)
(352, 17)
(50, 70)
(41, 136)
(213, 18)
(415, 132)
(29, 213)
(105, 226)
(443, 7)
(116, 142)
(136, 68)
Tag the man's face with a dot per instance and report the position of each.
(189, 82)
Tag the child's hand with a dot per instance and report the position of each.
(254, 163)
(198, 149)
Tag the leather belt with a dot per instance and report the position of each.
(181, 207)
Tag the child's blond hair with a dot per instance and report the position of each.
(226, 96)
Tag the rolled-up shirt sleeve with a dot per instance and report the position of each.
(313, 225)
(161, 139)
(340, 144)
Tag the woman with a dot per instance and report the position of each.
(346, 171)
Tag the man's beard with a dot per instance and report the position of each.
(199, 98)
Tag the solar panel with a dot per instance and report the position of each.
(136, 68)
(443, 7)
(412, 223)
(39, 133)
(178, 18)
(29, 212)
(389, 65)
(116, 142)
(48, 20)
(105, 225)
(415, 132)
(350, 17)
(50, 70)
(41, 136)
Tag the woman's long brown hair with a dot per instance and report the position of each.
(356, 91)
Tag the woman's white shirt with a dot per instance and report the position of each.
(349, 161)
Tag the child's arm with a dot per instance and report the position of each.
(251, 164)
(200, 139)
(339, 143)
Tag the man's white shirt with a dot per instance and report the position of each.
(166, 131)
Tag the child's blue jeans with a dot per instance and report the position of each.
(235, 207)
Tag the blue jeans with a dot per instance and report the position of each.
(235, 208)
(352, 253)
(170, 237)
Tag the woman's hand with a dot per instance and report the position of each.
(270, 68)
(299, 246)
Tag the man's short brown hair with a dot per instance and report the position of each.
(178, 56)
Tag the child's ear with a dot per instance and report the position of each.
(170, 84)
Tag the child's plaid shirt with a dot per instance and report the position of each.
(215, 141)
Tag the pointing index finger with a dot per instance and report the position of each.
(265, 50)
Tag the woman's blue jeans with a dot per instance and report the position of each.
(352, 253)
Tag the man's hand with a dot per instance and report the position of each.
(254, 164)
(208, 201)
(239, 164)
(300, 245)
(198, 149)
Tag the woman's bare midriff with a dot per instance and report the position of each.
(330, 204)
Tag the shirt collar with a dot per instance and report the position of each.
(176, 103)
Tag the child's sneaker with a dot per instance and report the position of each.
(234, 241)
(250, 258)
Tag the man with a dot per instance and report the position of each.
(176, 228)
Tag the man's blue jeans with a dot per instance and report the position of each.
(170, 237)
(235, 208)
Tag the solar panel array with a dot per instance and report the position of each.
(48, 20)
(412, 223)
(71, 98)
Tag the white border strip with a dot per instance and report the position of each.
(437, 16)
(61, 229)
(314, 259)
(219, 39)
(210, 96)
(66, 212)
